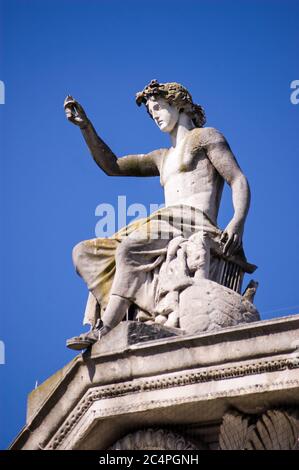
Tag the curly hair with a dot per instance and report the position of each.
(175, 94)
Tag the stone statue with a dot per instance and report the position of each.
(175, 267)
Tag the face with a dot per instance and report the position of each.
(165, 115)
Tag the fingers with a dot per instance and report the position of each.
(73, 105)
(71, 112)
(69, 100)
(79, 108)
(223, 237)
(228, 244)
(70, 116)
(232, 245)
(238, 246)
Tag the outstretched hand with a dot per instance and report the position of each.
(75, 113)
(231, 237)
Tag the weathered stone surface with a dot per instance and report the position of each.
(208, 306)
(275, 429)
(154, 439)
(149, 262)
(187, 381)
(140, 332)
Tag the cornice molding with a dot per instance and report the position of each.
(177, 380)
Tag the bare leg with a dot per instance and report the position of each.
(116, 309)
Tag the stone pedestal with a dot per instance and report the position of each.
(142, 385)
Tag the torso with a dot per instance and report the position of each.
(188, 176)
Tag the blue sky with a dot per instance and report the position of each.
(237, 58)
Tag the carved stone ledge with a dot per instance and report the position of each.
(118, 388)
(178, 380)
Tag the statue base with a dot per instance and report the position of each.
(134, 390)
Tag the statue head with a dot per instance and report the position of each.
(166, 101)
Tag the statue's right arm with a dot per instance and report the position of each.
(129, 165)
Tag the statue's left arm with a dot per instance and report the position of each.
(222, 158)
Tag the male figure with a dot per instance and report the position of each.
(119, 271)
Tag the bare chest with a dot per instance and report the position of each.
(185, 158)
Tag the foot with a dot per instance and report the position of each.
(85, 340)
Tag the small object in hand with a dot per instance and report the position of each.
(69, 103)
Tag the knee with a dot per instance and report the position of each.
(77, 254)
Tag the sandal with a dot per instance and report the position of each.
(85, 340)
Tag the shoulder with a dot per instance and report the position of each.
(204, 138)
(210, 135)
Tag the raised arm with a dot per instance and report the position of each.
(222, 158)
(129, 165)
